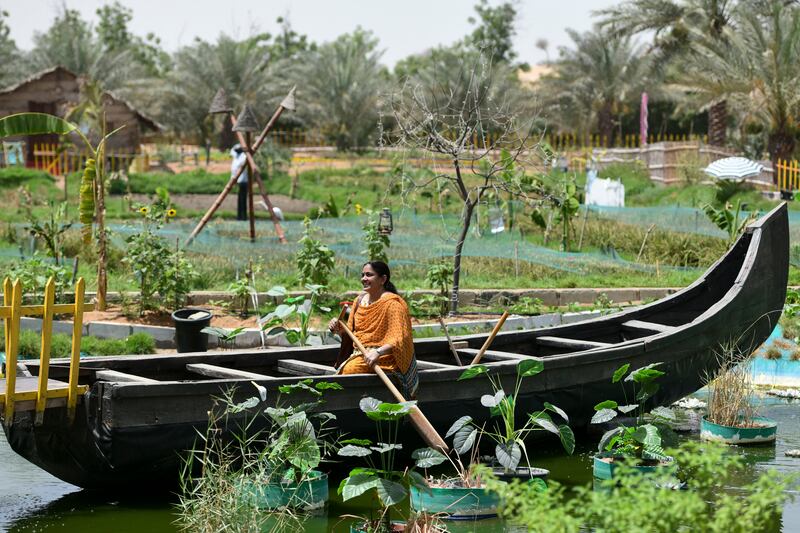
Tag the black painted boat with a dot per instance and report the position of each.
(141, 412)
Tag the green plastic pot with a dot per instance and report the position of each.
(309, 494)
(765, 432)
(456, 503)
(604, 466)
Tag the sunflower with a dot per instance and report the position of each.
(359, 209)
(171, 213)
(143, 210)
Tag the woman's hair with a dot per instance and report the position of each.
(382, 269)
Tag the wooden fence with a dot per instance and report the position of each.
(54, 159)
(28, 393)
(788, 175)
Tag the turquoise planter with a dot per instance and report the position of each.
(307, 495)
(604, 466)
(456, 503)
(765, 432)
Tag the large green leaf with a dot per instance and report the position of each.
(608, 404)
(550, 407)
(620, 372)
(86, 206)
(464, 439)
(305, 454)
(390, 492)
(428, 457)
(473, 371)
(508, 454)
(603, 415)
(34, 124)
(458, 424)
(567, 438)
(529, 367)
(546, 424)
(353, 451)
(493, 400)
(357, 485)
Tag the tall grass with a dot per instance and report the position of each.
(730, 401)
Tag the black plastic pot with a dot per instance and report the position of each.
(188, 324)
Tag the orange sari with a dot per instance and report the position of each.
(386, 321)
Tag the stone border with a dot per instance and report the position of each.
(251, 338)
(550, 297)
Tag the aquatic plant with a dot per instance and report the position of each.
(637, 503)
(730, 390)
(643, 440)
(275, 323)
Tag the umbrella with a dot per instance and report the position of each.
(733, 168)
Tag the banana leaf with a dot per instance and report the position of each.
(34, 124)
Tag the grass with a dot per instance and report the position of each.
(61, 345)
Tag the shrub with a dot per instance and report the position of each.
(140, 344)
(194, 182)
(314, 260)
(30, 345)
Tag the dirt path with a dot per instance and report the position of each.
(201, 202)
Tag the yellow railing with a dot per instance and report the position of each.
(55, 160)
(37, 391)
(787, 175)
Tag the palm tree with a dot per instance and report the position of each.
(756, 69)
(9, 55)
(677, 25)
(340, 84)
(595, 79)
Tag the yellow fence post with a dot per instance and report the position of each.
(6, 318)
(12, 334)
(75, 356)
(44, 356)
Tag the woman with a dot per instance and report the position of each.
(380, 320)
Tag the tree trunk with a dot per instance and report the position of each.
(102, 255)
(466, 219)
(718, 123)
(605, 124)
(780, 145)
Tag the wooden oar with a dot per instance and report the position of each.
(424, 428)
(489, 340)
(450, 341)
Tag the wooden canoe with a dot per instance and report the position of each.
(141, 412)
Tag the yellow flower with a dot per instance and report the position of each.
(143, 210)
(359, 209)
(171, 213)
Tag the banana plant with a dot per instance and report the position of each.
(93, 177)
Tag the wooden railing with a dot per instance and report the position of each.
(54, 159)
(788, 175)
(20, 393)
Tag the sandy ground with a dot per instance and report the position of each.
(201, 202)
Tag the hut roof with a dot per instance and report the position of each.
(144, 119)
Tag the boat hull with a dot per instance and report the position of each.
(131, 434)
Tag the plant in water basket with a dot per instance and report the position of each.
(732, 416)
(237, 472)
(387, 485)
(642, 442)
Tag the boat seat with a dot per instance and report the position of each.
(430, 365)
(122, 377)
(297, 367)
(491, 355)
(221, 372)
(570, 344)
(646, 327)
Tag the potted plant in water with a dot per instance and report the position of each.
(731, 416)
(464, 496)
(642, 443)
(379, 478)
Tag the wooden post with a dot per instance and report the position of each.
(250, 178)
(44, 356)
(12, 335)
(583, 227)
(75, 355)
(644, 241)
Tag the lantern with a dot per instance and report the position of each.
(385, 225)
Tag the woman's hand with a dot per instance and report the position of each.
(334, 327)
(371, 357)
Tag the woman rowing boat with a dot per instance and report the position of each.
(380, 320)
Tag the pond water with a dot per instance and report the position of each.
(32, 500)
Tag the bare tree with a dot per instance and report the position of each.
(472, 122)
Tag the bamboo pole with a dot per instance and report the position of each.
(489, 339)
(450, 341)
(422, 425)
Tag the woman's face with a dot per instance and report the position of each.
(370, 279)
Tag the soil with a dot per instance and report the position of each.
(225, 319)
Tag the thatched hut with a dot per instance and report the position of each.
(56, 91)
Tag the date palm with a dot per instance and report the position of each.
(756, 70)
(677, 24)
(596, 78)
